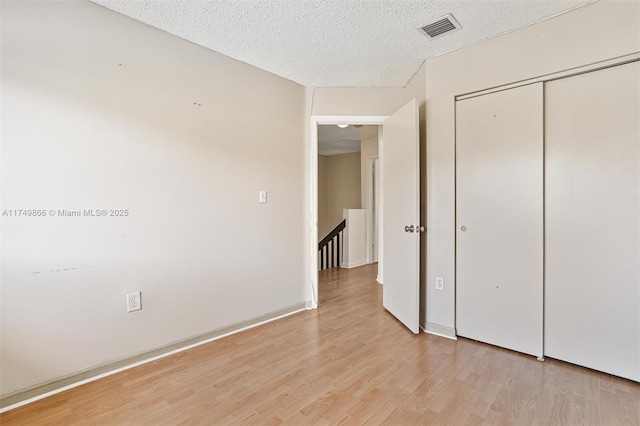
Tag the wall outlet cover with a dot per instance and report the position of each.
(134, 302)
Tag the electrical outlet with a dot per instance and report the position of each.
(134, 302)
(439, 283)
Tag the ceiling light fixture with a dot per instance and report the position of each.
(343, 125)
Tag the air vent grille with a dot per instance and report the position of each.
(441, 26)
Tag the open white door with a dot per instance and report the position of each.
(400, 173)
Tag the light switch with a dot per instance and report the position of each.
(263, 196)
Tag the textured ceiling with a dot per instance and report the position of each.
(333, 140)
(336, 43)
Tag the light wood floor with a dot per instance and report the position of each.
(349, 362)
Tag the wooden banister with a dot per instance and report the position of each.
(329, 247)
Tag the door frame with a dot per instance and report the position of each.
(372, 188)
(313, 188)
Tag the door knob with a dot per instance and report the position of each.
(463, 228)
(420, 228)
(408, 228)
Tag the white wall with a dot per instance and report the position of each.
(99, 111)
(597, 32)
(355, 238)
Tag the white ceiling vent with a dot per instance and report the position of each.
(441, 26)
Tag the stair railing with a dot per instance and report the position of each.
(329, 247)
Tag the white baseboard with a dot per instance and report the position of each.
(439, 330)
(378, 279)
(353, 264)
(51, 387)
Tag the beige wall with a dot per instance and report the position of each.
(364, 101)
(368, 147)
(342, 183)
(323, 221)
(556, 44)
(98, 112)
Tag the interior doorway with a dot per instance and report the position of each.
(398, 212)
(317, 121)
(347, 193)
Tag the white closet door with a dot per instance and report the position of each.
(499, 218)
(592, 276)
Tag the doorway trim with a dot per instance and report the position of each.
(313, 190)
(372, 205)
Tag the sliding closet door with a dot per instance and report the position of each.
(499, 218)
(592, 243)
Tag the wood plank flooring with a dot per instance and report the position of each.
(349, 362)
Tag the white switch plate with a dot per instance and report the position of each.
(439, 283)
(134, 303)
(263, 197)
